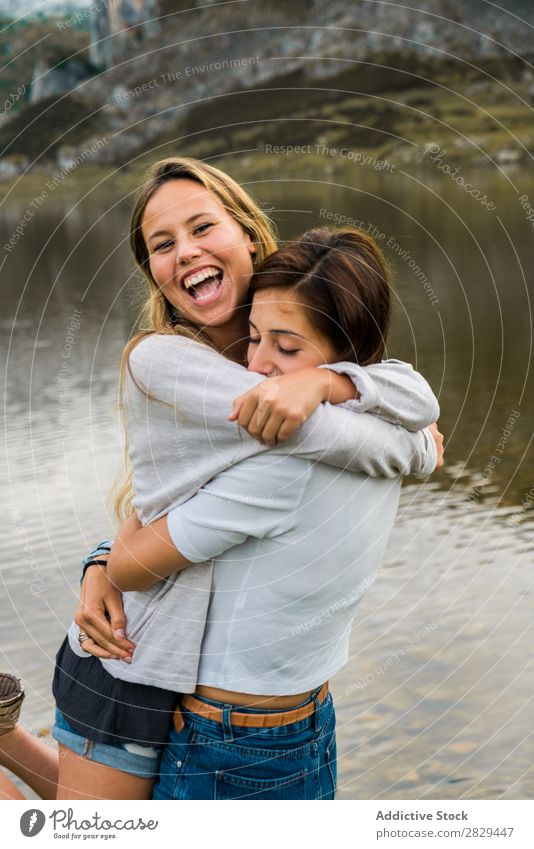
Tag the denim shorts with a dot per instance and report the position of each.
(142, 761)
(212, 760)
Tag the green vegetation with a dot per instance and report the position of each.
(388, 113)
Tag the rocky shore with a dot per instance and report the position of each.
(318, 86)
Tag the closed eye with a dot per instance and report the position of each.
(255, 340)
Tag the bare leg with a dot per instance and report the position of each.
(30, 759)
(83, 779)
(8, 789)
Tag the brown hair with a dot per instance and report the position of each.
(343, 281)
(157, 315)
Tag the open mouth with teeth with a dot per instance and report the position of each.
(203, 286)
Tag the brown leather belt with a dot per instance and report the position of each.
(272, 719)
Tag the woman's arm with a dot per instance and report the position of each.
(391, 390)
(394, 391)
(142, 556)
(276, 408)
(177, 402)
(222, 515)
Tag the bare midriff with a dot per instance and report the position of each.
(248, 700)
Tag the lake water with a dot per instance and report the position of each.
(436, 699)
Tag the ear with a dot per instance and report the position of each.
(251, 246)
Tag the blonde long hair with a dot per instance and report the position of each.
(157, 315)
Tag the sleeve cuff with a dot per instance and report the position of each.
(363, 382)
(180, 531)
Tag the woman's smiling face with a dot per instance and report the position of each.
(200, 257)
(282, 337)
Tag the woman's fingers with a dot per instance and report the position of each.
(236, 409)
(96, 625)
(279, 427)
(271, 429)
(249, 405)
(271, 426)
(102, 647)
(93, 648)
(117, 621)
(259, 420)
(265, 417)
(288, 427)
(438, 439)
(257, 401)
(100, 608)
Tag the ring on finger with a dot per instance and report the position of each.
(82, 637)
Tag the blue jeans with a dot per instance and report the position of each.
(212, 760)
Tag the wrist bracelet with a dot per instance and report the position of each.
(103, 547)
(86, 565)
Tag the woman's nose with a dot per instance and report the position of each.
(187, 249)
(260, 363)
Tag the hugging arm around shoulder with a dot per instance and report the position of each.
(143, 555)
(180, 441)
(222, 515)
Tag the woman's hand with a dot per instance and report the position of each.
(276, 408)
(100, 615)
(438, 439)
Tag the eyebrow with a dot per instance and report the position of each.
(275, 332)
(189, 221)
